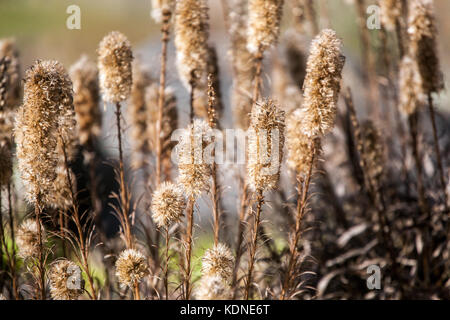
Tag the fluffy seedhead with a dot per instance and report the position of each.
(158, 8)
(300, 146)
(410, 86)
(45, 116)
(265, 145)
(194, 169)
(374, 153)
(391, 11)
(213, 287)
(114, 65)
(65, 280)
(168, 204)
(131, 267)
(84, 75)
(218, 261)
(27, 238)
(11, 87)
(322, 83)
(423, 44)
(264, 18)
(191, 37)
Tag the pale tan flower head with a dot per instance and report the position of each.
(322, 83)
(264, 18)
(218, 261)
(423, 44)
(131, 267)
(194, 168)
(65, 280)
(191, 37)
(168, 204)
(46, 115)
(410, 86)
(158, 7)
(84, 75)
(213, 287)
(265, 145)
(114, 65)
(27, 238)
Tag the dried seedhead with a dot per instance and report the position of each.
(218, 261)
(410, 86)
(65, 280)
(213, 287)
(27, 238)
(131, 267)
(168, 204)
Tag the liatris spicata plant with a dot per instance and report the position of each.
(65, 280)
(191, 37)
(11, 89)
(422, 33)
(131, 268)
(218, 261)
(168, 204)
(27, 238)
(265, 154)
(115, 71)
(84, 75)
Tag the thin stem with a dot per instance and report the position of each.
(161, 95)
(41, 266)
(124, 201)
(438, 151)
(137, 294)
(13, 243)
(253, 243)
(257, 81)
(188, 240)
(166, 267)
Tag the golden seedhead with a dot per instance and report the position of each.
(410, 86)
(131, 267)
(45, 116)
(300, 146)
(168, 204)
(27, 238)
(264, 18)
(84, 75)
(194, 168)
(265, 145)
(423, 44)
(114, 65)
(191, 37)
(65, 280)
(218, 261)
(322, 83)
(213, 287)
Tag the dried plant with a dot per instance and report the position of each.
(65, 281)
(131, 268)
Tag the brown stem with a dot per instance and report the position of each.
(41, 266)
(253, 243)
(438, 150)
(188, 240)
(124, 201)
(161, 94)
(166, 267)
(258, 70)
(137, 294)
(301, 206)
(13, 244)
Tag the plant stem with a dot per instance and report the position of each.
(188, 240)
(41, 266)
(13, 243)
(166, 267)
(254, 243)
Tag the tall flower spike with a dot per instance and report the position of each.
(390, 12)
(374, 153)
(158, 6)
(213, 287)
(422, 33)
(191, 37)
(84, 75)
(264, 18)
(410, 86)
(64, 283)
(194, 169)
(114, 64)
(168, 204)
(138, 115)
(322, 83)
(218, 261)
(300, 146)
(40, 121)
(13, 90)
(131, 267)
(265, 145)
(27, 238)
